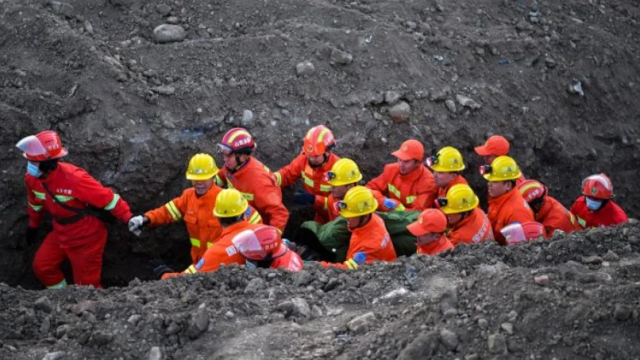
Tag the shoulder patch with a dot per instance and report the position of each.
(231, 250)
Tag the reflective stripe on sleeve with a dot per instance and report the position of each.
(255, 218)
(351, 264)
(247, 196)
(325, 188)
(394, 191)
(35, 207)
(195, 242)
(278, 178)
(64, 198)
(307, 181)
(110, 206)
(411, 199)
(191, 270)
(326, 204)
(173, 210)
(39, 195)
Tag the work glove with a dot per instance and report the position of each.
(393, 204)
(32, 235)
(359, 257)
(303, 198)
(136, 223)
(159, 268)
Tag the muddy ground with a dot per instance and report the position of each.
(133, 108)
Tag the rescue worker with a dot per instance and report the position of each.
(230, 209)
(407, 184)
(595, 208)
(429, 231)
(547, 210)
(446, 165)
(506, 205)
(369, 235)
(467, 222)
(264, 248)
(343, 176)
(517, 233)
(194, 207)
(249, 176)
(75, 200)
(495, 146)
(311, 165)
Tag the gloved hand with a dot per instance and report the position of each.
(159, 268)
(32, 235)
(136, 223)
(359, 257)
(389, 204)
(303, 198)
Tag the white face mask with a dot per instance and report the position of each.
(593, 205)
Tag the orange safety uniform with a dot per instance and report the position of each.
(197, 212)
(442, 192)
(436, 247)
(221, 252)
(473, 229)
(554, 216)
(289, 261)
(258, 185)
(314, 182)
(371, 239)
(416, 190)
(333, 212)
(506, 209)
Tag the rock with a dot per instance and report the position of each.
(229, 314)
(422, 347)
(483, 323)
(497, 344)
(45, 326)
(362, 323)
(391, 97)
(451, 106)
(542, 280)
(101, 338)
(133, 319)
(449, 339)
(400, 112)
(155, 354)
(173, 20)
(88, 27)
(43, 304)
(448, 301)
(485, 270)
(340, 57)
(167, 33)
(592, 260)
(57, 355)
(87, 305)
(611, 256)
(61, 330)
(163, 9)
(199, 322)
(473, 356)
(305, 68)
(247, 121)
(300, 307)
(622, 312)
(376, 99)
(302, 278)
(164, 90)
(467, 102)
(634, 240)
(508, 327)
(438, 96)
(173, 328)
(61, 8)
(332, 284)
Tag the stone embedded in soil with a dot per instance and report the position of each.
(305, 68)
(451, 106)
(391, 97)
(508, 327)
(229, 314)
(164, 90)
(611, 256)
(248, 120)
(340, 57)
(44, 304)
(592, 260)
(199, 322)
(300, 307)
(422, 347)
(473, 356)
(483, 323)
(400, 112)
(449, 339)
(362, 323)
(497, 344)
(57, 355)
(163, 9)
(155, 354)
(542, 280)
(467, 102)
(167, 33)
(622, 312)
(87, 305)
(302, 278)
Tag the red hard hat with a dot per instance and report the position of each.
(598, 186)
(45, 145)
(517, 233)
(319, 140)
(259, 243)
(237, 141)
(532, 190)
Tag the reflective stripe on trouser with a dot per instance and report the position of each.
(351, 264)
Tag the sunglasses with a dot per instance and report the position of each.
(485, 169)
(431, 160)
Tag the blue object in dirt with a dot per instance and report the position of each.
(503, 62)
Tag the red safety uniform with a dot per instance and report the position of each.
(314, 182)
(81, 241)
(473, 229)
(609, 214)
(436, 247)
(442, 192)
(372, 239)
(197, 212)
(416, 190)
(554, 216)
(258, 185)
(506, 209)
(289, 261)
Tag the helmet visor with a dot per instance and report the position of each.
(249, 246)
(32, 147)
(514, 233)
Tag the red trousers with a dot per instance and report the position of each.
(86, 260)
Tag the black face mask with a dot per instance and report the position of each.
(48, 166)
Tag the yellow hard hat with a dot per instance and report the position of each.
(230, 203)
(357, 201)
(448, 159)
(460, 198)
(503, 168)
(343, 172)
(202, 167)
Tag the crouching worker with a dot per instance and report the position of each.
(230, 209)
(430, 232)
(595, 208)
(264, 248)
(370, 240)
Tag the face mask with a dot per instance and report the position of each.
(593, 205)
(33, 169)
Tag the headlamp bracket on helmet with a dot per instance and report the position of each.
(485, 169)
(431, 160)
(441, 202)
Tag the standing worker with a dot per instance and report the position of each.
(249, 176)
(194, 207)
(429, 231)
(74, 199)
(506, 205)
(406, 184)
(595, 208)
(468, 223)
(315, 160)
(495, 146)
(547, 210)
(447, 166)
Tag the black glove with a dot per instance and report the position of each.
(159, 268)
(303, 198)
(32, 235)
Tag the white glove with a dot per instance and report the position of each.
(135, 224)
